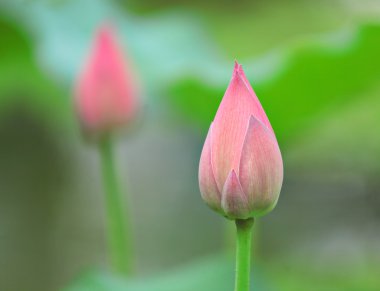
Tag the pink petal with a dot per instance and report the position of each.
(260, 113)
(209, 190)
(234, 201)
(261, 168)
(230, 125)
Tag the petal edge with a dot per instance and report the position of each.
(261, 168)
(207, 184)
(234, 200)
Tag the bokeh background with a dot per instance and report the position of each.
(315, 65)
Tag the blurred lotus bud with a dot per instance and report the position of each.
(241, 170)
(106, 94)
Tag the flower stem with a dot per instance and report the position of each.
(243, 253)
(118, 240)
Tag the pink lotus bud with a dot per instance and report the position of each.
(240, 170)
(106, 92)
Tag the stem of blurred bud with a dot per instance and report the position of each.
(117, 226)
(243, 253)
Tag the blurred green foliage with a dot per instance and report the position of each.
(22, 82)
(216, 273)
(314, 76)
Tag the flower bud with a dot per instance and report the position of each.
(106, 95)
(240, 170)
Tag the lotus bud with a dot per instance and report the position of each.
(106, 95)
(241, 169)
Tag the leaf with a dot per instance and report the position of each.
(304, 81)
(188, 278)
(346, 137)
(23, 83)
(213, 273)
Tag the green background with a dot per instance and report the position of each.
(315, 66)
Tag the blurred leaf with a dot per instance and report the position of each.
(252, 28)
(21, 80)
(312, 77)
(214, 273)
(302, 274)
(246, 28)
(345, 136)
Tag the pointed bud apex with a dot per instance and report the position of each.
(241, 169)
(106, 95)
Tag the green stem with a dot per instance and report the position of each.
(243, 253)
(118, 240)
